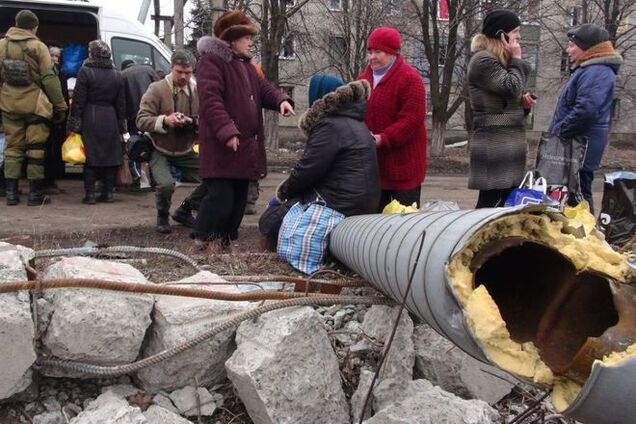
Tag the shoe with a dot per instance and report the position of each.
(36, 198)
(183, 215)
(163, 225)
(12, 191)
(106, 197)
(135, 186)
(50, 189)
(89, 199)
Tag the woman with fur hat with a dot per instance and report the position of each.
(497, 78)
(339, 163)
(231, 134)
(99, 115)
(585, 105)
(396, 115)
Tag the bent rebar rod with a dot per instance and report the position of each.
(93, 251)
(117, 370)
(38, 285)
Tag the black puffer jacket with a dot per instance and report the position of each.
(339, 162)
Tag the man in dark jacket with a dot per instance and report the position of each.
(585, 105)
(168, 112)
(232, 138)
(137, 79)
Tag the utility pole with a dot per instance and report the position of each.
(217, 8)
(178, 23)
(157, 13)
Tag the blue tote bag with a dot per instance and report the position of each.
(303, 238)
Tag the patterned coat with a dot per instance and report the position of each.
(498, 139)
(397, 111)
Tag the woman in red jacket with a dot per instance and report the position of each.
(396, 115)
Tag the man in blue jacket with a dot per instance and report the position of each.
(585, 105)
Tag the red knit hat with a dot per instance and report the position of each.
(386, 39)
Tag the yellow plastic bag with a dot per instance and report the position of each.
(397, 207)
(579, 216)
(73, 150)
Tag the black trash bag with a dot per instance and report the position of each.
(559, 161)
(618, 211)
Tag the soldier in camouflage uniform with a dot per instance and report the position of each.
(30, 97)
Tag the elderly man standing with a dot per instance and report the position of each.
(30, 97)
(585, 105)
(168, 112)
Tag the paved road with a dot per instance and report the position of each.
(67, 214)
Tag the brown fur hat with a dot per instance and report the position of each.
(234, 24)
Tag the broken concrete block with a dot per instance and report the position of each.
(96, 326)
(109, 408)
(178, 319)
(359, 396)
(159, 415)
(285, 370)
(425, 405)
(192, 402)
(51, 417)
(378, 323)
(444, 364)
(163, 400)
(17, 332)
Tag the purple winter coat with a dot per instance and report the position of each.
(231, 96)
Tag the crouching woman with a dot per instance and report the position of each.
(339, 164)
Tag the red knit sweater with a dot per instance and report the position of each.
(397, 111)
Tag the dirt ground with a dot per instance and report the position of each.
(130, 220)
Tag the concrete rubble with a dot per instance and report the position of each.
(445, 365)
(285, 366)
(177, 319)
(17, 332)
(285, 370)
(105, 329)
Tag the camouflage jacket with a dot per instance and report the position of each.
(44, 94)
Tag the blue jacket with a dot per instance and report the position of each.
(585, 106)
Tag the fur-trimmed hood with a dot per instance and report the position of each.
(216, 46)
(334, 102)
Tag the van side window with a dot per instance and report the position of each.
(142, 53)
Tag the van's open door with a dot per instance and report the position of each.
(60, 22)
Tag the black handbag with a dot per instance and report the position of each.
(559, 161)
(139, 148)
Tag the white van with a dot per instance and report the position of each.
(62, 22)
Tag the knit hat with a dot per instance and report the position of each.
(386, 39)
(321, 84)
(499, 20)
(234, 24)
(26, 19)
(98, 49)
(588, 35)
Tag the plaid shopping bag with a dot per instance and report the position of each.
(303, 238)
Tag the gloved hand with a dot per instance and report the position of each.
(58, 116)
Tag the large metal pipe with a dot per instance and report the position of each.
(560, 297)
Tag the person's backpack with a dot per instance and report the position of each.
(16, 72)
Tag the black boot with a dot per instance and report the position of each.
(108, 186)
(3, 185)
(89, 186)
(13, 195)
(163, 225)
(183, 215)
(89, 198)
(36, 198)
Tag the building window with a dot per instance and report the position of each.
(442, 10)
(616, 109)
(391, 7)
(337, 49)
(289, 90)
(335, 5)
(574, 17)
(565, 63)
(287, 50)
